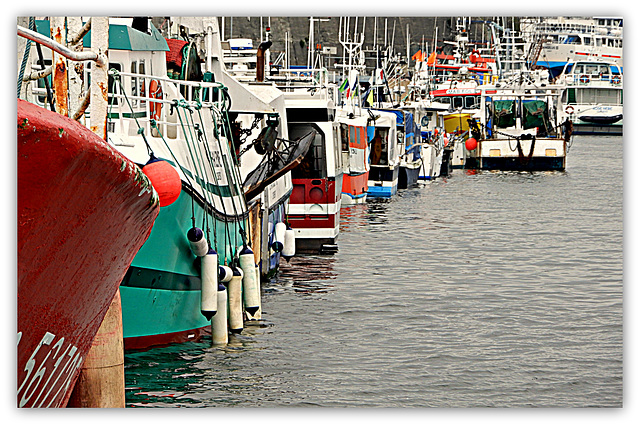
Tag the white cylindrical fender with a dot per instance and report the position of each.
(250, 289)
(224, 274)
(258, 314)
(278, 241)
(197, 242)
(219, 330)
(209, 284)
(289, 249)
(234, 294)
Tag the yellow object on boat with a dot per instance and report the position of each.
(456, 122)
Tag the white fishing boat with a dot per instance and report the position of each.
(258, 120)
(593, 97)
(385, 151)
(355, 157)
(462, 101)
(553, 42)
(428, 118)
(353, 118)
(409, 146)
(521, 126)
(314, 206)
(433, 140)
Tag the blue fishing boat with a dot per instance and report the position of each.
(410, 149)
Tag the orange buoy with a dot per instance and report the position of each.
(471, 144)
(165, 180)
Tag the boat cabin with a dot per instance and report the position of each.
(519, 111)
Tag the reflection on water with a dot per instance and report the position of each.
(486, 289)
(305, 274)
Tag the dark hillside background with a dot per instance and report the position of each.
(326, 30)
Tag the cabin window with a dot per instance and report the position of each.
(598, 96)
(470, 102)
(504, 113)
(535, 113)
(134, 83)
(344, 137)
(379, 147)
(458, 102)
(313, 166)
(336, 150)
(592, 69)
(141, 71)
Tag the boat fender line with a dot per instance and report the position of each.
(219, 329)
(289, 246)
(279, 231)
(250, 288)
(209, 287)
(234, 297)
(225, 274)
(197, 242)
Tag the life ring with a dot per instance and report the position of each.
(155, 92)
(616, 79)
(584, 78)
(569, 109)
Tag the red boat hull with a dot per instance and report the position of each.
(84, 211)
(314, 212)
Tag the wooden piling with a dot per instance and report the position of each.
(101, 380)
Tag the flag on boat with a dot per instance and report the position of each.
(353, 89)
(344, 85)
(418, 56)
(431, 60)
(370, 97)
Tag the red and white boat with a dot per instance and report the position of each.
(84, 211)
(314, 205)
(355, 158)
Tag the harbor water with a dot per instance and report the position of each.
(483, 289)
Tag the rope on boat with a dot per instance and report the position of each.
(193, 133)
(25, 58)
(566, 125)
(118, 78)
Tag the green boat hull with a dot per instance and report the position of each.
(161, 290)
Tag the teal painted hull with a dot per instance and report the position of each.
(160, 316)
(161, 291)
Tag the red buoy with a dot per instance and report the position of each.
(165, 180)
(471, 144)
